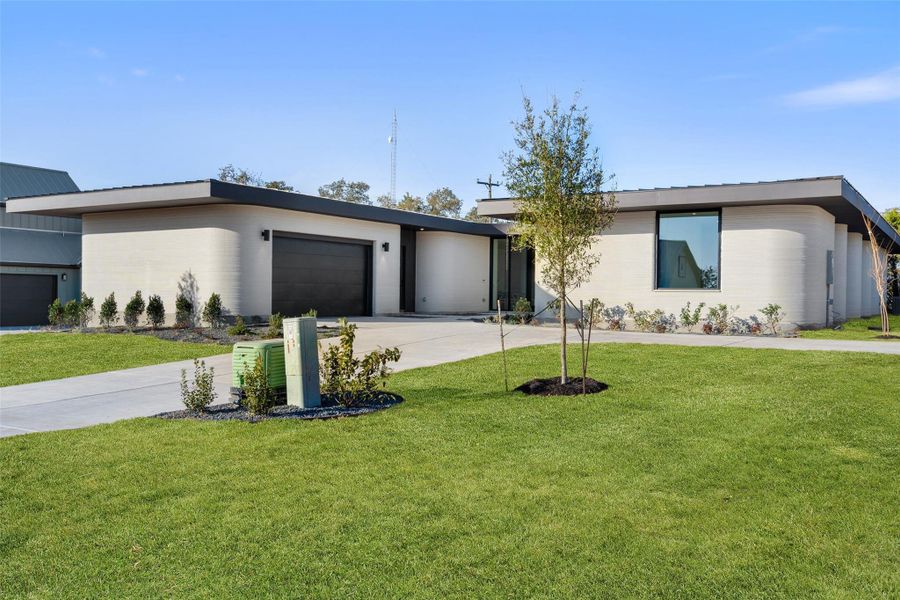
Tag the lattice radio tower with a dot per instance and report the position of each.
(393, 142)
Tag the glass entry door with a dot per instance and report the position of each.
(512, 274)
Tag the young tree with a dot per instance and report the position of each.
(473, 215)
(443, 203)
(879, 274)
(356, 192)
(557, 179)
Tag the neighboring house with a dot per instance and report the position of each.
(271, 251)
(40, 256)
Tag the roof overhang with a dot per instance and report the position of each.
(833, 194)
(212, 191)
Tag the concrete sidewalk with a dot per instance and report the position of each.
(144, 391)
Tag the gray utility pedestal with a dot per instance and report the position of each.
(301, 362)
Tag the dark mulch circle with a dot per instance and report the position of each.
(330, 409)
(552, 387)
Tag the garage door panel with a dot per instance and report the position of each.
(25, 298)
(332, 277)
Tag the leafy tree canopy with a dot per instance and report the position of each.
(356, 192)
(892, 216)
(234, 174)
(443, 202)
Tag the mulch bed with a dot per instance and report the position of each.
(552, 387)
(330, 409)
(202, 335)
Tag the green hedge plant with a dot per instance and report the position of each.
(133, 310)
(239, 327)
(773, 315)
(156, 312)
(55, 313)
(258, 396)
(213, 311)
(197, 396)
(86, 310)
(109, 311)
(184, 311)
(353, 380)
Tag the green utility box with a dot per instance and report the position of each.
(243, 357)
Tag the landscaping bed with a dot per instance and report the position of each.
(203, 335)
(551, 386)
(330, 409)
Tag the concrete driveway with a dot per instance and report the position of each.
(144, 391)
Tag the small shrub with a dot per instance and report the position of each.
(690, 318)
(156, 312)
(258, 397)
(773, 315)
(71, 314)
(239, 327)
(719, 317)
(614, 316)
(310, 313)
(522, 309)
(213, 312)
(593, 312)
(662, 322)
(354, 380)
(133, 310)
(55, 313)
(202, 392)
(275, 323)
(86, 310)
(109, 311)
(184, 311)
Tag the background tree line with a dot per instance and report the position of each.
(441, 202)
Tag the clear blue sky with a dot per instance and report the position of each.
(679, 94)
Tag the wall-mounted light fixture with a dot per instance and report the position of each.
(65, 276)
(386, 246)
(265, 235)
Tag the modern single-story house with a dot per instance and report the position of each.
(798, 243)
(40, 256)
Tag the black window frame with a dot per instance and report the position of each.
(718, 211)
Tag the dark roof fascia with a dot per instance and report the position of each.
(256, 196)
(888, 233)
(212, 191)
(38, 265)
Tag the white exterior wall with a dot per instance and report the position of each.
(854, 275)
(452, 272)
(839, 291)
(222, 246)
(769, 254)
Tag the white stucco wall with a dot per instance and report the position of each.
(839, 291)
(222, 247)
(769, 254)
(854, 275)
(452, 272)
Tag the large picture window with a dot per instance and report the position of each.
(687, 250)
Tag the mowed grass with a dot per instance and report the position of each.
(30, 357)
(857, 329)
(701, 472)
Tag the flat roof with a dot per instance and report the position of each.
(212, 191)
(833, 193)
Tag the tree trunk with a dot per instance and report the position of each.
(564, 372)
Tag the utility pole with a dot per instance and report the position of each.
(393, 142)
(489, 184)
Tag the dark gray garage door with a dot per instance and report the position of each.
(24, 299)
(333, 277)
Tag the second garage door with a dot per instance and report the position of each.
(24, 299)
(332, 276)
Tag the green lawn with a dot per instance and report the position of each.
(29, 357)
(701, 472)
(856, 329)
